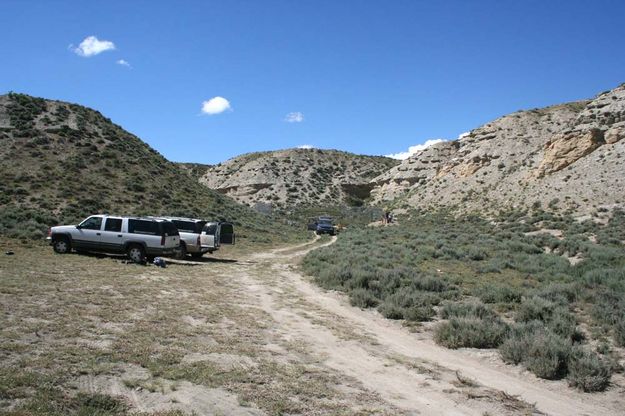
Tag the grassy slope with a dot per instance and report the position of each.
(62, 162)
(406, 271)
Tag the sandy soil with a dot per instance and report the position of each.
(406, 369)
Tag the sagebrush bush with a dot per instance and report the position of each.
(535, 308)
(548, 356)
(498, 294)
(431, 283)
(517, 345)
(391, 311)
(560, 293)
(363, 298)
(619, 330)
(562, 322)
(466, 310)
(419, 313)
(470, 332)
(587, 371)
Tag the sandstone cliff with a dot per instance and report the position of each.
(568, 156)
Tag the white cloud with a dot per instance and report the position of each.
(295, 117)
(91, 46)
(415, 149)
(306, 146)
(123, 62)
(215, 105)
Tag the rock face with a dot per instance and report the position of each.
(569, 155)
(565, 149)
(292, 177)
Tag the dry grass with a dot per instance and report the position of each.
(87, 333)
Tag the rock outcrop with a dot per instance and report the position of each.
(570, 155)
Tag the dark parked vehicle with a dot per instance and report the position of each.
(322, 225)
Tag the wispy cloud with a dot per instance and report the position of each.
(215, 105)
(415, 149)
(123, 62)
(91, 46)
(306, 146)
(295, 117)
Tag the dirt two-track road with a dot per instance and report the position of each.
(405, 368)
(243, 334)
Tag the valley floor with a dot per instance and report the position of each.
(249, 336)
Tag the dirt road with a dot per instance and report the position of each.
(406, 369)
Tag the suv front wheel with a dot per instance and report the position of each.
(61, 245)
(136, 253)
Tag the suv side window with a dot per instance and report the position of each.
(185, 226)
(143, 227)
(210, 229)
(91, 223)
(113, 224)
(169, 228)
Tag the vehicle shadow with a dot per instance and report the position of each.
(208, 260)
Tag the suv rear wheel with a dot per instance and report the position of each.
(182, 251)
(61, 245)
(136, 253)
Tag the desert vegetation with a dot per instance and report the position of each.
(545, 289)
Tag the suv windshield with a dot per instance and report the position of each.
(325, 222)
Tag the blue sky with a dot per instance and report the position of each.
(365, 76)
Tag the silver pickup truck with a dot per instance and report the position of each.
(198, 237)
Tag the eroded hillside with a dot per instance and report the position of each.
(293, 177)
(568, 156)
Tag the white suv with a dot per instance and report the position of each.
(136, 236)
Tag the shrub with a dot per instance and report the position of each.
(363, 298)
(619, 331)
(515, 348)
(535, 308)
(562, 293)
(548, 356)
(587, 371)
(562, 322)
(498, 294)
(431, 284)
(391, 311)
(419, 313)
(470, 332)
(466, 310)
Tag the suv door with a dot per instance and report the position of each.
(88, 234)
(112, 238)
(226, 233)
(210, 235)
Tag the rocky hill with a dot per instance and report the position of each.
(295, 177)
(568, 156)
(61, 162)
